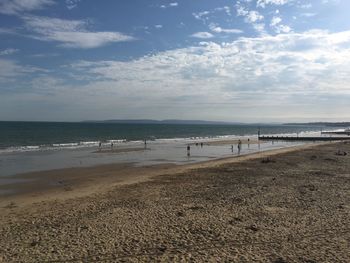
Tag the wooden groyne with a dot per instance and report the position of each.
(336, 132)
(298, 138)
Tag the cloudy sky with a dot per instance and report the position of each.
(244, 60)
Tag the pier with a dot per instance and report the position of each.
(298, 138)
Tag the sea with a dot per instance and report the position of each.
(32, 136)
(38, 146)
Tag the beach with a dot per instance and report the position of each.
(282, 205)
(174, 131)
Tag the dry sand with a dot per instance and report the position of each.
(281, 206)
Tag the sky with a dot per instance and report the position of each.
(222, 60)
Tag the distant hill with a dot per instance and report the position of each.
(323, 124)
(148, 121)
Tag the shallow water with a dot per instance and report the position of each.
(158, 152)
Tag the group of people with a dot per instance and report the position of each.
(189, 148)
(100, 145)
(197, 144)
(239, 147)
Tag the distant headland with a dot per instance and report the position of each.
(172, 121)
(323, 124)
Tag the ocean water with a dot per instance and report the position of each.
(41, 146)
(34, 136)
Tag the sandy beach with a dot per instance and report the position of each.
(286, 205)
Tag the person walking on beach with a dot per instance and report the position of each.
(188, 150)
(232, 148)
(112, 145)
(239, 146)
(145, 143)
(99, 146)
(201, 145)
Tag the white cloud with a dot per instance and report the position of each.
(71, 33)
(308, 14)
(331, 1)
(204, 35)
(9, 31)
(204, 15)
(72, 4)
(241, 11)
(289, 75)
(87, 39)
(268, 68)
(251, 17)
(254, 16)
(259, 27)
(158, 26)
(45, 84)
(173, 4)
(275, 20)
(263, 3)
(226, 9)
(306, 6)
(8, 51)
(12, 7)
(217, 29)
(10, 70)
(278, 27)
(282, 29)
(201, 15)
(47, 25)
(45, 55)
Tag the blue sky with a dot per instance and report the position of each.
(247, 60)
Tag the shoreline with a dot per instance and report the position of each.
(67, 183)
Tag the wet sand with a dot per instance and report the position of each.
(229, 142)
(288, 205)
(65, 183)
(121, 150)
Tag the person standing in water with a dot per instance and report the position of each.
(99, 146)
(145, 143)
(239, 146)
(188, 150)
(232, 148)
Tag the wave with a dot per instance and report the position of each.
(73, 144)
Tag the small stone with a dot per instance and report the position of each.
(34, 243)
(180, 213)
(253, 228)
(163, 248)
(280, 260)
